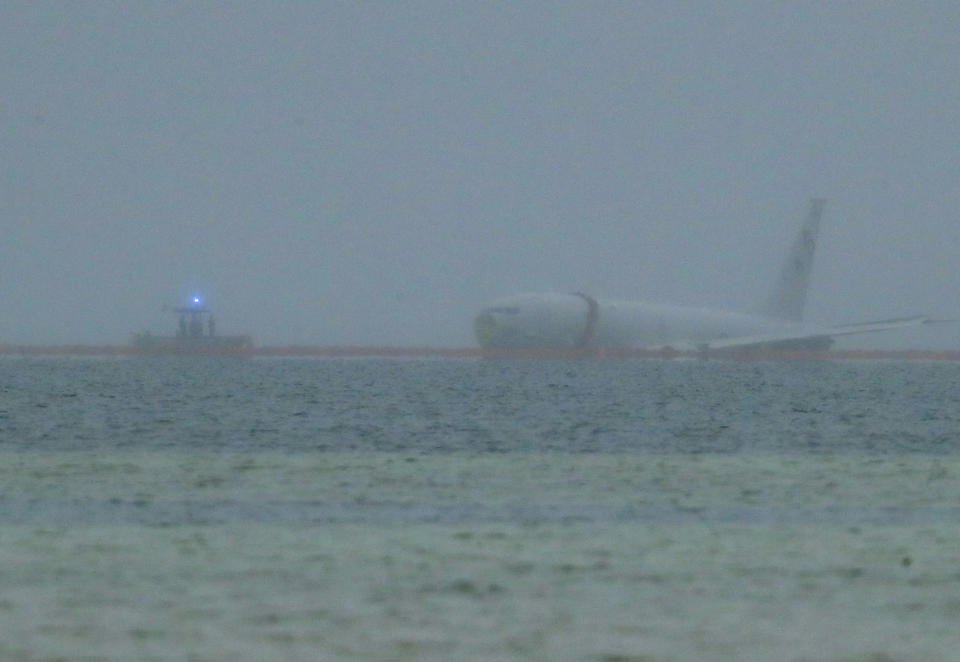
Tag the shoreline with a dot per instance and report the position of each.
(346, 351)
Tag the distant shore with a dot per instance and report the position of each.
(335, 351)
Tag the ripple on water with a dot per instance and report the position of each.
(472, 510)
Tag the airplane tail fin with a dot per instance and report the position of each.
(788, 298)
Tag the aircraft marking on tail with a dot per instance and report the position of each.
(789, 297)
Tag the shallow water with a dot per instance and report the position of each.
(478, 510)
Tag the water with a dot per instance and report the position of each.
(478, 510)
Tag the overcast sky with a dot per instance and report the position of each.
(373, 173)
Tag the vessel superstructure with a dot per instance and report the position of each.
(196, 334)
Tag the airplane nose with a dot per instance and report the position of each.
(485, 328)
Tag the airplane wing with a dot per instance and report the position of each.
(813, 334)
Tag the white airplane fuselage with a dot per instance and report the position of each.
(577, 321)
(580, 322)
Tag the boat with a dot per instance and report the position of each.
(196, 335)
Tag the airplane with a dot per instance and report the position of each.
(579, 322)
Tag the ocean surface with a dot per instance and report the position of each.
(389, 509)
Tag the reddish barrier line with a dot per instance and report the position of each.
(338, 351)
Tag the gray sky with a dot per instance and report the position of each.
(373, 173)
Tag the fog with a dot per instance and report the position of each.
(373, 173)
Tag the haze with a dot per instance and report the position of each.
(373, 173)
